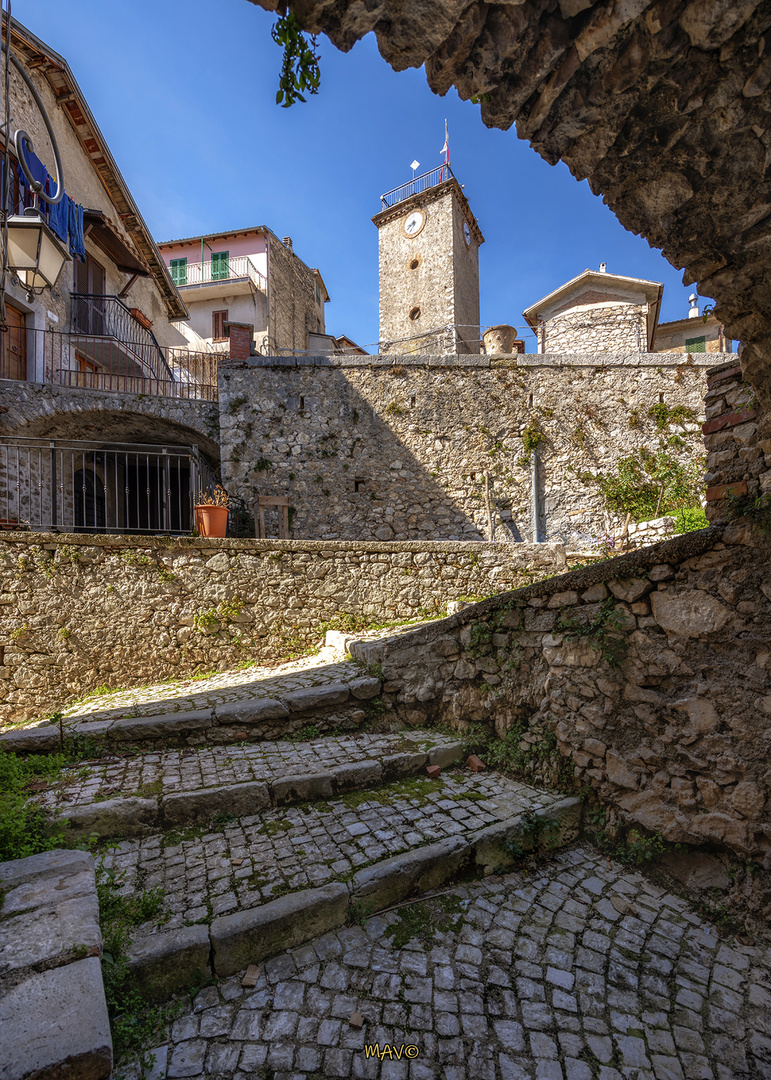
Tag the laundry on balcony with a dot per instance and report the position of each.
(77, 239)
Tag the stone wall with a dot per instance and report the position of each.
(662, 708)
(292, 300)
(613, 328)
(80, 612)
(737, 434)
(399, 447)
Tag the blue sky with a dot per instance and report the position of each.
(184, 92)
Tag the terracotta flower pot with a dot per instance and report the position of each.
(211, 520)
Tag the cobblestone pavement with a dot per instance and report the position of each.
(256, 858)
(192, 694)
(189, 769)
(581, 970)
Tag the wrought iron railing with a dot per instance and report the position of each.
(109, 363)
(416, 185)
(202, 273)
(78, 486)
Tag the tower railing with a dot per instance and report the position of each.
(416, 185)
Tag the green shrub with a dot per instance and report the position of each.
(24, 828)
(689, 519)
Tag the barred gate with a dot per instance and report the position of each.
(77, 486)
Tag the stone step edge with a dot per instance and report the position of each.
(46, 738)
(132, 816)
(168, 962)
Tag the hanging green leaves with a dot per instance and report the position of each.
(300, 69)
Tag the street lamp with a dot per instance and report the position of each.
(34, 253)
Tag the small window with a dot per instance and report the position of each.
(413, 402)
(218, 320)
(318, 294)
(415, 314)
(359, 484)
(179, 271)
(220, 268)
(695, 344)
(301, 405)
(414, 264)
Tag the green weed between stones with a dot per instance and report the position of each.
(134, 1022)
(604, 631)
(24, 828)
(423, 921)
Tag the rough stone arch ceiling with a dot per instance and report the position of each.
(664, 105)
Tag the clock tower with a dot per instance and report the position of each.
(429, 267)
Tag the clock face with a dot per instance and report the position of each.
(414, 222)
(467, 233)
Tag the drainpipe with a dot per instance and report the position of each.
(536, 510)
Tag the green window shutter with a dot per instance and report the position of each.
(695, 344)
(220, 270)
(179, 271)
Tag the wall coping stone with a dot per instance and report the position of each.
(189, 543)
(514, 360)
(631, 565)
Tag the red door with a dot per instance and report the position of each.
(13, 345)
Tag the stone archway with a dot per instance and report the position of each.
(661, 104)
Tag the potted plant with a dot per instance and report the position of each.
(211, 511)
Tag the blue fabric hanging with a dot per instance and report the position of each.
(77, 239)
(59, 215)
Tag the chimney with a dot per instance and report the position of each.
(603, 268)
(287, 241)
(241, 339)
(693, 310)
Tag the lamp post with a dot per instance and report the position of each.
(31, 251)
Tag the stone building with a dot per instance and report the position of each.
(597, 311)
(247, 276)
(429, 267)
(77, 450)
(696, 333)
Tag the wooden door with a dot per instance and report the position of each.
(13, 345)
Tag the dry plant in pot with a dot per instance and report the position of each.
(211, 511)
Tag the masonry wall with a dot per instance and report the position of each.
(78, 612)
(670, 728)
(399, 447)
(291, 300)
(613, 328)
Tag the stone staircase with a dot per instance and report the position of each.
(261, 846)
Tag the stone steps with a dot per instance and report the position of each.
(242, 889)
(135, 795)
(334, 695)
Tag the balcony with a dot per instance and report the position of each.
(417, 185)
(209, 280)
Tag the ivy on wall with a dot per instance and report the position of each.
(649, 483)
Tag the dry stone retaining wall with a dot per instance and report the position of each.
(82, 612)
(398, 447)
(676, 738)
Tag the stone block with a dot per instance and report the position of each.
(114, 817)
(406, 764)
(202, 804)
(317, 697)
(51, 936)
(364, 689)
(291, 789)
(594, 593)
(36, 740)
(56, 863)
(357, 774)
(445, 755)
(247, 937)
(54, 1025)
(250, 712)
(411, 873)
(630, 589)
(48, 891)
(162, 964)
(159, 727)
(689, 612)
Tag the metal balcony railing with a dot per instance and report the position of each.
(92, 487)
(416, 185)
(239, 267)
(106, 362)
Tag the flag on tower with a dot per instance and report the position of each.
(446, 148)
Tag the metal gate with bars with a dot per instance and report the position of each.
(77, 486)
